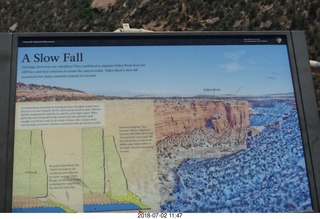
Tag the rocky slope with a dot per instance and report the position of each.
(166, 15)
(269, 176)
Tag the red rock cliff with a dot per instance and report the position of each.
(176, 116)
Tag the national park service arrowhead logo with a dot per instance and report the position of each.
(279, 40)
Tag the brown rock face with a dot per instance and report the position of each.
(102, 4)
(177, 116)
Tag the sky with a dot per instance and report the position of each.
(167, 70)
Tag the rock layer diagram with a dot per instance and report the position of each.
(30, 174)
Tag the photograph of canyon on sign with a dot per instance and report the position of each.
(196, 128)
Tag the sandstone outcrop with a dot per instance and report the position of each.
(34, 92)
(178, 116)
(196, 128)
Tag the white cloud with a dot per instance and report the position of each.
(232, 62)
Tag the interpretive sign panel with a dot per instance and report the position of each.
(209, 124)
